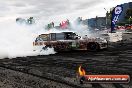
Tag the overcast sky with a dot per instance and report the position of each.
(55, 10)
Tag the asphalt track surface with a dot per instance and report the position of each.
(61, 69)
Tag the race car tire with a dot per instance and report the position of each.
(93, 46)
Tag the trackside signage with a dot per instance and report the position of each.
(115, 16)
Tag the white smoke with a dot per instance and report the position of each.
(81, 29)
(17, 40)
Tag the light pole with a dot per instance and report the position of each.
(106, 18)
(130, 19)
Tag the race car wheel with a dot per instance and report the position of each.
(93, 46)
